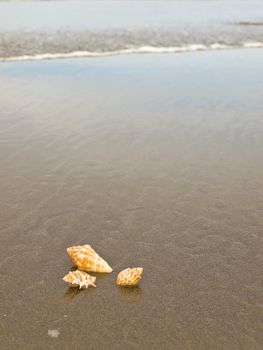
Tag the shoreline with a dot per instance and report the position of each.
(145, 50)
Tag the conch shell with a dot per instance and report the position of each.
(79, 279)
(129, 276)
(85, 258)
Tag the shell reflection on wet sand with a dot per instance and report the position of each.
(79, 279)
(129, 277)
(85, 258)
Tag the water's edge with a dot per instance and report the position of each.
(135, 50)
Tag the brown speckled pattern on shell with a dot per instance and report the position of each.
(129, 276)
(79, 279)
(85, 258)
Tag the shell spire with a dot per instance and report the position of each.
(79, 279)
(129, 276)
(85, 258)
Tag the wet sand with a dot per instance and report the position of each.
(156, 161)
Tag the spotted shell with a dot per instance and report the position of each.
(85, 258)
(79, 279)
(129, 276)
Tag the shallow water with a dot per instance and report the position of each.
(155, 162)
(36, 29)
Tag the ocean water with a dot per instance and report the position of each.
(58, 29)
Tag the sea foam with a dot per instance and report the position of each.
(133, 50)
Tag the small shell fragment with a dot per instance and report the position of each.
(79, 279)
(129, 276)
(86, 259)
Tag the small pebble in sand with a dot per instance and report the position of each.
(53, 333)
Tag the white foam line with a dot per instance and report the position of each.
(136, 50)
(253, 45)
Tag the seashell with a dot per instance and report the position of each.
(79, 279)
(85, 258)
(129, 276)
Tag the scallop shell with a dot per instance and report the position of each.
(129, 276)
(79, 279)
(85, 258)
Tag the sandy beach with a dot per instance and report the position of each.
(156, 161)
